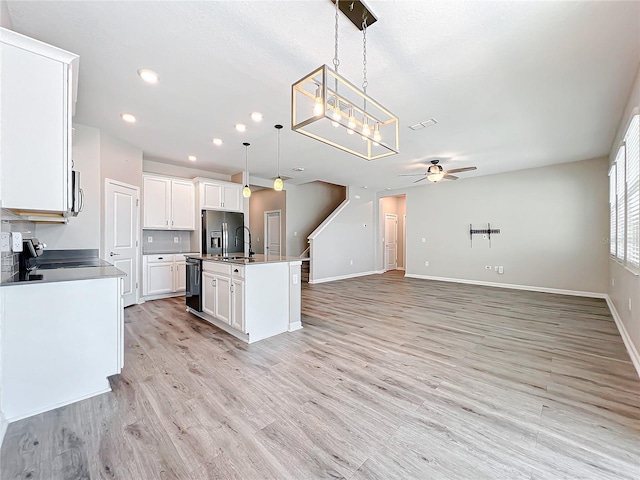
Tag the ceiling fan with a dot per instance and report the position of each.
(435, 173)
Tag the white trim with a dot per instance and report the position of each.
(330, 218)
(3, 427)
(344, 277)
(295, 326)
(61, 404)
(400, 268)
(558, 291)
(631, 348)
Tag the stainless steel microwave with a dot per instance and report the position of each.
(77, 195)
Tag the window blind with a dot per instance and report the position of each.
(612, 210)
(620, 203)
(632, 148)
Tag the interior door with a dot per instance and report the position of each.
(272, 244)
(390, 241)
(122, 217)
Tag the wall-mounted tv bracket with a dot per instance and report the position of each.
(482, 231)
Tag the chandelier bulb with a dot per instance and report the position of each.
(366, 130)
(318, 107)
(352, 122)
(336, 112)
(376, 134)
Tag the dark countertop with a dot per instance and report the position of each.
(256, 259)
(38, 276)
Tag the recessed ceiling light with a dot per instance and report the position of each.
(298, 169)
(127, 117)
(192, 158)
(241, 127)
(148, 76)
(217, 141)
(364, 186)
(256, 116)
(388, 188)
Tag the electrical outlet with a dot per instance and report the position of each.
(613, 282)
(424, 239)
(426, 264)
(294, 279)
(16, 242)
(629, 303)
(176, 239)
(500, 270)
(487, 267)
(295, 234)
(6, 242)
(350, 262)
(149, 239)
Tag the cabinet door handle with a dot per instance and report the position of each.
(172, 268)
(235, 271)
(171, 222)
(167, 222)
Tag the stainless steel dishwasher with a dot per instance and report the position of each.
(194, 283)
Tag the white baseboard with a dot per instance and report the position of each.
(400, 268)
(295, 326)
(3, 427)
(558, 291)
(631, 348)
(343, 277)
(61, 404)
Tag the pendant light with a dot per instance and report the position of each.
(278, 184)
(246, 191)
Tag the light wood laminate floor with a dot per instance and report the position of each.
(390, 378)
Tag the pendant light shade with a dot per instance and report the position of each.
(246, 191)
(278, 183)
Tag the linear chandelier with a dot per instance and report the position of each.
(327, 107)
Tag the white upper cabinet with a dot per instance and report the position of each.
(169, 204)
(37, 98)
(183, 205)
(220, 196)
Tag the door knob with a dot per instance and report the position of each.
(111, 254)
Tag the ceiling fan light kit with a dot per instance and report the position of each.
(435, 173)
(323, 101)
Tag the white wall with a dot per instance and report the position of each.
(627, 284)
(553, 221)
(5, 20)
(344, 246)
(307, 206)
(152, 166)
(83, 231)
(118, 161)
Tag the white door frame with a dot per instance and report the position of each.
(404, 242)
(104, 230)
(266, 228)
(384, 246)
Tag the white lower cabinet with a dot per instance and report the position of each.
(164, 275)
(209, 293)
(223, 294)
(237, 299)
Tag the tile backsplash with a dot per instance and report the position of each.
(9, 261)
(164, 241)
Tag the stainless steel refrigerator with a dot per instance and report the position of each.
(222, 233)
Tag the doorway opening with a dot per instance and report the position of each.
(273, 233)
(392, 232)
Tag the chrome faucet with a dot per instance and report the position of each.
(251, 252)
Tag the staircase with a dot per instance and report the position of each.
(306, 265)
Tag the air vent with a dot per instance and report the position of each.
(427, 123)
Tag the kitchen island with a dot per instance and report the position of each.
(250, 298)
(62, 336)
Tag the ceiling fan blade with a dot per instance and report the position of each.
(420, 180)
(450, 177)
(411, 174)
(458, 170)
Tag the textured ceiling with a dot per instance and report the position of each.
(513, 85)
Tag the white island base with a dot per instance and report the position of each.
(251, 300)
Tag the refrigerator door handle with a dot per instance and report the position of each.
(225, 239)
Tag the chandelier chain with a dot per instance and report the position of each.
(365, 83)
(336, 61)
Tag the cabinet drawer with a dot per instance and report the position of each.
(159, 258)
(237, 271)
(223, 268)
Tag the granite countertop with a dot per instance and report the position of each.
(256, 259)
(38, 276)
